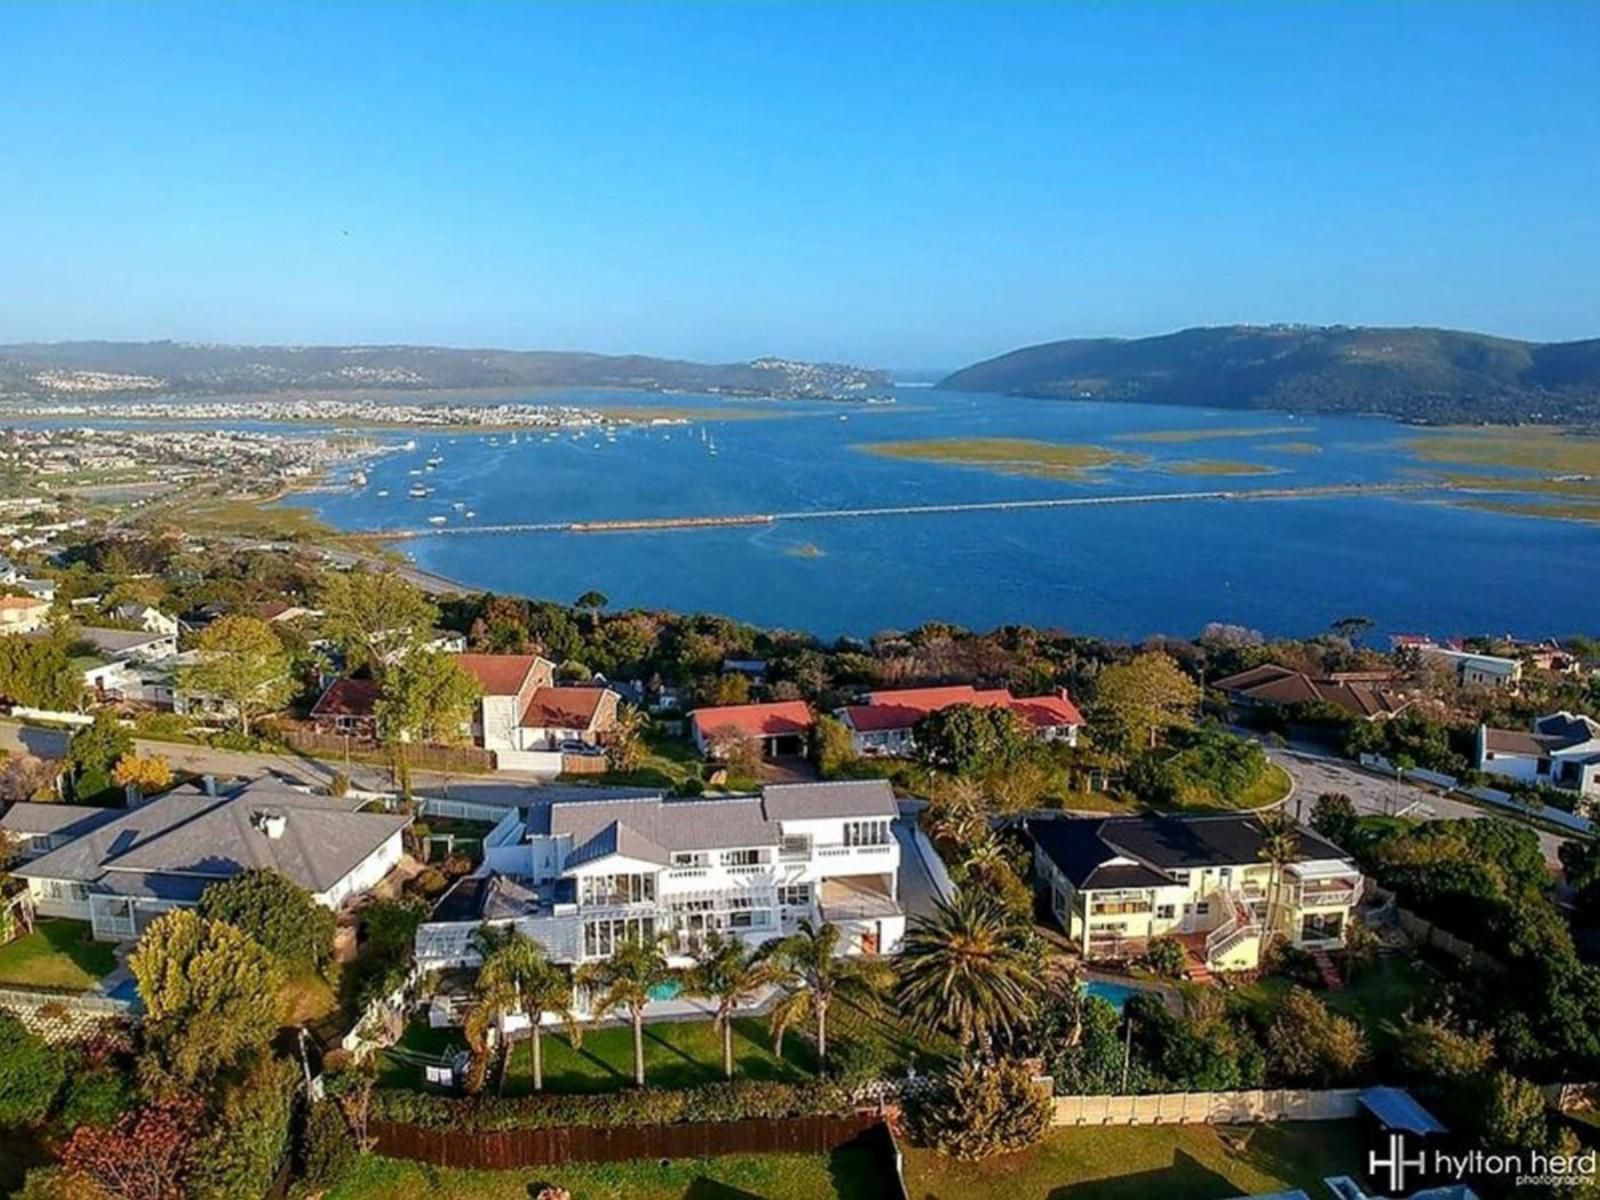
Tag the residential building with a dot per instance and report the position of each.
(1116, 883)
(106, 678)
(581, 874)
(147, 618)
(1562, 750)
(119, 875)
(37, 829)
(348, 707)
(1365, 695)
(129, 645)
(523, 713)
(1470, 668)
(39, 589)
(773, 730)
(882, 722)
(560, 716)
(278, 612)
(22, 614)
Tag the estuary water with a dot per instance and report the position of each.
(1418, 561)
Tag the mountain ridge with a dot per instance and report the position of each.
(1415, 373)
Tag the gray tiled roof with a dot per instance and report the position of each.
(617, 838)
(736, 821)
(74, 820)
(852, 798)
(117, 641)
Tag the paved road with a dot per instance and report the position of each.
(1374, 794)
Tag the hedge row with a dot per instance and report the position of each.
(611, 1110)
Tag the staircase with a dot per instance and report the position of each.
(1196, 971)
(1330, 974)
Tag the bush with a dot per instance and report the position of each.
(1165, 957)
(31, 1074)
(278, 913)
(327, 1147)
(860, 1060)
(973, 1111)
(1309, 1044)
(98, 1096)
(243, 1152)
(737, 1101)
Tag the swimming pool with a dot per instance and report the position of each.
(1114, 994)
(666, 991)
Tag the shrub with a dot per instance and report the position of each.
(430, 882)
(339, 784)
(97, 1096)
(860, 1060)
(278, 913)
(31, 1074)
(326, 1146)
(1165, 957)
(243, 1151)
(974, 1110)
(1309, 1044)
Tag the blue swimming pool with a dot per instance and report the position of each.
(666, 991)
(1114, 994)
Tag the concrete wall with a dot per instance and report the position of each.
(1208, 1108)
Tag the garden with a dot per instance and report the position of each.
(58, 955)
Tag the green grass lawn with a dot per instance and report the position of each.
(665, 763)
(848, 1174)
(1376, 998)
(1173, 1162)
(57, 954)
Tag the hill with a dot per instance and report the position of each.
(1437, 376)
(78, 369)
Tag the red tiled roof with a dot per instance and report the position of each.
(904, 707)
(756, 720)
(22, 602)
(563, 707)
(347, 698)
(498, 674)
(1047, 712)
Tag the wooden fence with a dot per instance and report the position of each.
(333, 747)
(519, 1149)
(1208, 1108)
(1425, 933)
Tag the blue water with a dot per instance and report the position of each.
(1283, 567)
(127, 989)
(1114, 994)
(666, 991)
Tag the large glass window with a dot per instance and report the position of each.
(866, 833)
(601, 938)
(600, 890)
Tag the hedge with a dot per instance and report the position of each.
(611, 1110)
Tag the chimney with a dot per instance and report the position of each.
(209, 783)
(272, 824)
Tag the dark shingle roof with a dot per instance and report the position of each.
(850, 798)
(72, 820)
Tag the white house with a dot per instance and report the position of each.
(147, 618)
(522, 714)
(1116, 883)
(773, 729)
(22, 614)
(1471, 669)
(129, 645)
(882, 722)
(120, 874)
(581, 875)
(1563, 750)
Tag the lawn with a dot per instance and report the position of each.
(1174, 1162)
(1376, 998)
(57, 954)
(852, 1173)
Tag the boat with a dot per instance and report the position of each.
(408, 444)
(358, 479)
(382, 492)
(417, 491)
(414, 471)
(437, 460)
(470, 514)
(513, 439)
(435, 520)
(458, 506)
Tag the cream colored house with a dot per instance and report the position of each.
(22, 614)
(1117, 883)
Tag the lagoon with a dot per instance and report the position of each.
(1412, 562)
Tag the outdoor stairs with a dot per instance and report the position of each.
(1196, 971)
(1330, 973)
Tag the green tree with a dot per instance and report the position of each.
(976, 1109)
(278, 913)
(246, 1145)
(813, 974)
(1308, 1044)
(1334, 817)
(94, 752)
(38, 672)
(967, 739)
(731, 974)
(517, 977)
(832, 748)
(1280, 846)
(242, 662)
(1138, 701)
(965, 970)
(31, 1074)
(392, 925)
(625, 747)
(212, 997)
(622, 983)
(375, 617)
(427, 697)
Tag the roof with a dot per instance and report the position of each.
(901, 708)
(1515, 741)
(188, 834)
(74, 820)
(727, 822)
(563, 707)
(498, 674)
(22, 603)
(117, 641)
(849, 798)
(1567, 729)
(1357, 693)
(1087, 849)
(348, 698)
(617, 838)
(486, 898)
(1397, 1109)
(756, 720)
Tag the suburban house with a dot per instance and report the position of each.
(775, 729)
(882, 722)
(106, 678)
(22, 614)
(128, 645)
(1365, 695)
(1562, 750)
(581, 874)
(120, 874)
(348, 707)
(522, 712)
(1116, 883)
(36, 829)
(1470, 668)
(277, 612)
(151, 620)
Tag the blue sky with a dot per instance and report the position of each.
(901, 184)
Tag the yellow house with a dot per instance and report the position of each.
(22, 614)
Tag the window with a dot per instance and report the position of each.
(1165, 912)
(795, 895)
(1225, 873)
(795, 845)
(866, 833)
(618, 889)
(601, 938)
(1322, 927)
(1182, 877)
(1544, 767)
(741, 858)
(691, 858)
(1202, 908)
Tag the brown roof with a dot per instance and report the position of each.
(347, 698)
(1515, 741)
(756, 720)
(1265, 673)
(1272, 684)
(22, 602)
(563, 707)
(498, 674)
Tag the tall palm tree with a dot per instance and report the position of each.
(964, 970)
(623, 983)
(808, 965)
(1280, 845)
(732, 974)
(515, 962)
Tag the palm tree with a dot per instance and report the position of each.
(623, 982)
(1280, 845)
(807, 964)
(731, 974)
(515, 962)
(964, 969)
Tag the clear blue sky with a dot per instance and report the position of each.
(901, 184)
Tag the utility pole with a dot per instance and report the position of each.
(1127, 1053)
